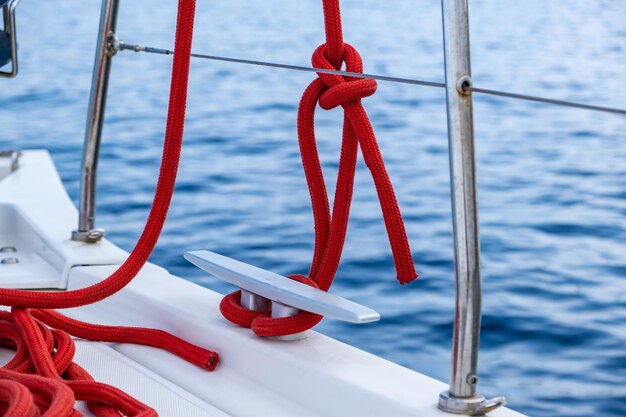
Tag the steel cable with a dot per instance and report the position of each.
(401, 80)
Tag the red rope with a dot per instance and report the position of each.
(42, 379)
(162, 198)
(331, 91)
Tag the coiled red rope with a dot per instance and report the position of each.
(42, 379)
(332, 91)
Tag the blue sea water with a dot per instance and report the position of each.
(552, 181)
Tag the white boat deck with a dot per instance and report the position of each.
(318, 376)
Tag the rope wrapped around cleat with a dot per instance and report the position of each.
(42, 379)
(330, 91)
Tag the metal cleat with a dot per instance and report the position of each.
(13, 156)
(288, 297)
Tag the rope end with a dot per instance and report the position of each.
(405, 279)
(212, 362)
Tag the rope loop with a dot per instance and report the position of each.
(273, 326)
(233, 311)
(261, 322)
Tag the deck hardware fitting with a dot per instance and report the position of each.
(477, 405)
(288, 297)
(10, 29)
(254, 302)
(14, 156)
(107, 47)
(8, 249)
(88, 236)
(464, 85)
(472, 379)
(10, 261)
(114, 44)
(462, 396)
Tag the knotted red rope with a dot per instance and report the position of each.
(42, 379)
(331, 91)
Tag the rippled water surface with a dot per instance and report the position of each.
(552, 181)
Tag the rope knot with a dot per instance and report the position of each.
(342, 90)
(329, 91)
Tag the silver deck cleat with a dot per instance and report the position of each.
(287, 297)
(13, 157)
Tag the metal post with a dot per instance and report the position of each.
(95, 117)
(10, 27)
(462, 397)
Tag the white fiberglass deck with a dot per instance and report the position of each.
(317, 376)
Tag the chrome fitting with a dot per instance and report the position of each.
(14, 156)
(464, 85)
(476, 405)
(10, 261)
(114, 44)
(255, 302)
(88, 236)
(10, 33)
(287, 297)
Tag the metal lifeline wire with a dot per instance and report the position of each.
(564, 103)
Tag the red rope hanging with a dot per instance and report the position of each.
(331, 91)
(42, 379)
(162, 198)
